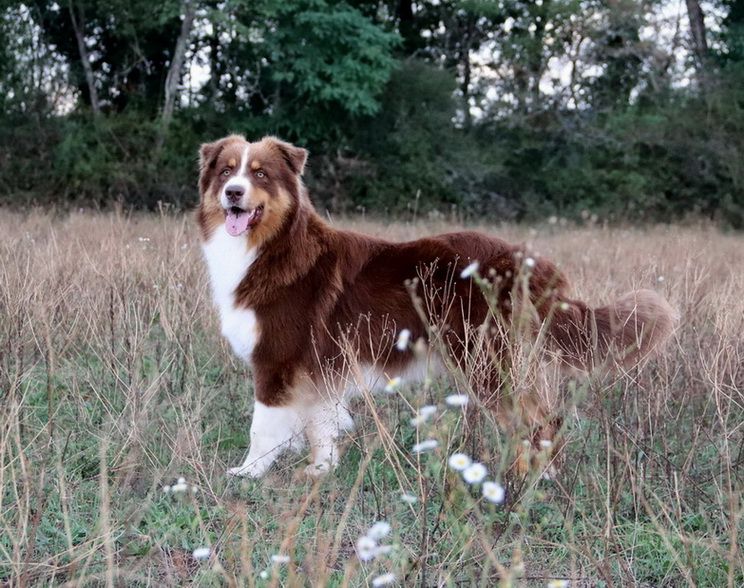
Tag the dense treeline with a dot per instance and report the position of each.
(512, 109)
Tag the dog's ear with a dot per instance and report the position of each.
(208, 153)
(295, 157)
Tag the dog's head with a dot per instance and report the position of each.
(249, 189)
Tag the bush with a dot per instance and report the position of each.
(651, 162)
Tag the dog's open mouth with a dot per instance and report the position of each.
(238, 220)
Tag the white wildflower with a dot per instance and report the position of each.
(558, 584)
(366, 548)
(546, 443)
(428, 410)
(403, 339)
(469, 270)
(384, 580)
(424, 446)
(459, 462)
(166, 489)
(529, 262)
(264, 575)
(279, 558)
(379, 530)
(181, 480)
(564, 306)
(457, 400)
(475, 473)
(202, 553)
(393, 384)
(660, 279)
(179, 488)
(408, 498)
(494, 492)
(423, 415)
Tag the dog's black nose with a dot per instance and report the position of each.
(234, 193)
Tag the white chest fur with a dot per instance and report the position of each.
(228, 259)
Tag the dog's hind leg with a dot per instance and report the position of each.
(274, 429)
(324, 423)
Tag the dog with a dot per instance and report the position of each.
(317, 312)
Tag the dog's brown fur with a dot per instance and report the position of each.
(314, 285)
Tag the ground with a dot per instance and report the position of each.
(114, 383)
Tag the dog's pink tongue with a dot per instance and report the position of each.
(236, 223)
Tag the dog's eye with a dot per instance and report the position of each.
(226, 171)
(260, 174)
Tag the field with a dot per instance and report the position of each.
(114, 383)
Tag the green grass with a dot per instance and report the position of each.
(104, 403)
(556, 527)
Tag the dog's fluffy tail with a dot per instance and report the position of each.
(622, 333)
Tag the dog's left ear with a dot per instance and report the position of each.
(296, 157)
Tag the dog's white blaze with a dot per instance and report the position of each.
(243, 172)
(239, 179)
(228, 260)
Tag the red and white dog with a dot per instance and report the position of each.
(292, 291)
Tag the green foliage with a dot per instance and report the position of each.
(461, 104)
(130, 44)
(641, 163)
(409, 143)
(327, 59)
(732, 33)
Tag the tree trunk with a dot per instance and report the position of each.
(176, 65)
(85, 59)
(467, 42)
(404, 12)
(697, 28)
(535, 61)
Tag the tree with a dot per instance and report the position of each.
(619, 51)
(697, 32)
(732, 32)
(325, 62)
(133, 44)
(699, 40)
(176, 65)
(78, 26)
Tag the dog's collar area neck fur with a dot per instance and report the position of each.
(289, 256)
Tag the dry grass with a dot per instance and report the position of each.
(114, 382)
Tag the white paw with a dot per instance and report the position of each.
(252, 470)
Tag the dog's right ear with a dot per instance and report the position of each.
(208, 153)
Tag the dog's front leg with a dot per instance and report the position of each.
(274, 429)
